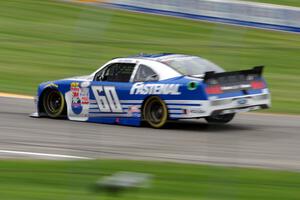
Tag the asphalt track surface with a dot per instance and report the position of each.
(255, 140)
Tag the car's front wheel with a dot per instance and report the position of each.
(222, 119)
(54, 103)
(155, 112)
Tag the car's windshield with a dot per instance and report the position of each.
(192, 65)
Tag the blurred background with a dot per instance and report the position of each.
(50, 39)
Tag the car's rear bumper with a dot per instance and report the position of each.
(222, 106)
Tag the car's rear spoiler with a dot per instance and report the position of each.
(233, 76)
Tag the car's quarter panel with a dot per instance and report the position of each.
(189, 102)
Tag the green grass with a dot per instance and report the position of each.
(280, 2)
(52, 180)
(49, 40)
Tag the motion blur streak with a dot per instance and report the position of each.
(49, 40)
(42, 40)
(18, 96)
(251, 140)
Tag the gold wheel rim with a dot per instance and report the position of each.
(146, 113)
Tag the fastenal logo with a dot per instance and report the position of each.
(141, 88)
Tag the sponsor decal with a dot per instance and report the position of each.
(80, 96)
(85, 84)
(236, 87)
(84, 96)
(80, 99)
(240, 110)
(127, 61)
(76, 101)
(134, 111)
(51, 85)
(242, 101)
(144, 89)
(193, 85)
(197, 111)
(193, 111)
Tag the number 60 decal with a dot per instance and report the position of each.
(109, 101)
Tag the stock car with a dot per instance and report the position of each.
(154, 88)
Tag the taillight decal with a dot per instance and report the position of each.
(257, 85)
(216, 89)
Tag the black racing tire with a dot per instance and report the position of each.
(220, 119)
(54, 103)
(155, 112)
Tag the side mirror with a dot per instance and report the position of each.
(153, 77)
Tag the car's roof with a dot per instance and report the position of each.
(157, 62)
(158, 57)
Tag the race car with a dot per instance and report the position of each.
(154, 88)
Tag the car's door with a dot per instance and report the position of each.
(110, 89)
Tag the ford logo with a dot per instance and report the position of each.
(242, 101)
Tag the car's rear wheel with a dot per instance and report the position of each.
(54, 103)
(155, 112)
(221, 119)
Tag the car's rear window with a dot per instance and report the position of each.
(192, 65)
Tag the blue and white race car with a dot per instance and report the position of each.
(154, 88)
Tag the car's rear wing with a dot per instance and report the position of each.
(234, 81)
(255, 72)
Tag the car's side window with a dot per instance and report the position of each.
(116, 72)
(145, 73)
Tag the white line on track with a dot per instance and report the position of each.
(43, 155)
